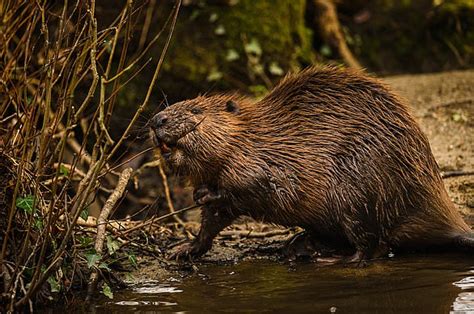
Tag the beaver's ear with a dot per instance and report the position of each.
(231, 106)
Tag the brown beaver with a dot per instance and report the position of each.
(328, 149)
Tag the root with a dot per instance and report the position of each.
(331, 32)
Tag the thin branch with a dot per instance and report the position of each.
(152, 83)
(101, 226)
(153, 220)
(169, 201)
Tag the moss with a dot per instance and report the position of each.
(208, 48)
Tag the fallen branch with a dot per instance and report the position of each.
(252, 234)
(102, 224)
(455, 173)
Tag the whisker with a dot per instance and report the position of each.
(131, 158)
(193, 128)
(209, 90)
(165, 98)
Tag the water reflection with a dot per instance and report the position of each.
(464, 302)
(434, 284)
(402, 285)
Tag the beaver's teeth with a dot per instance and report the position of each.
(165, 148)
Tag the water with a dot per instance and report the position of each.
(434, 284)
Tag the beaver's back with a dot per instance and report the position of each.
(335, 151)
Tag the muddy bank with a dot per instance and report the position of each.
(444, 106)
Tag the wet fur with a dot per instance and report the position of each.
(330, 150)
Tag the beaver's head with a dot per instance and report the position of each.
(195, 136)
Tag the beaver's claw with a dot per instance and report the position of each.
(186, 252)
(204, 195)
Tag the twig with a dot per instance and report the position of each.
(456, 173)
(252, 234)
(101, 226)
(153, 220)
(152, 83)
(102, 112)
(127, 160)
(146, 24)
(140, 246)
(164, 179)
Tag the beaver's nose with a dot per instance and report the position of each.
(159, 120)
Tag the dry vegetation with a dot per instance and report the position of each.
(60, 76)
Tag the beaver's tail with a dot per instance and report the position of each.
(465, 242)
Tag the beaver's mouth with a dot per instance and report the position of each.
(169, 143)
(167, 146)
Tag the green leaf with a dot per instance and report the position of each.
(85, 241)
(258, 90)
(194, 15)
(112, 245)
(232, 55)
(104, 265)
(92, 259)
(107, 291)
(26, 203)
(275, 69)
(213, 17)
(133, 260)
(220, 30)
(130, 277)
(325, 50)
(63, 170)
(214, 75)
(53, 284)
(253, 47)
(39, 223)
(85, 213)
(258, 69)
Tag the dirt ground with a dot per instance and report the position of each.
(442, 103)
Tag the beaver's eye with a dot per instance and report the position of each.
(196, 110)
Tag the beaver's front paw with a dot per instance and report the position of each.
(204, 195)
(187, 252)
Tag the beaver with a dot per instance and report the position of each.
(330, 150)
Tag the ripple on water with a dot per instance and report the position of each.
(143, 303)
(158, 289)
(151, 290)
(465, 283)
(464, 303)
